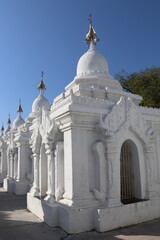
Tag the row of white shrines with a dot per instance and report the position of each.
(89, 161)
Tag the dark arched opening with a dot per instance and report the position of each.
(130, 173)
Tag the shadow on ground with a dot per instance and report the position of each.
(17, 223)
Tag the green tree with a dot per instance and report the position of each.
(145, 83)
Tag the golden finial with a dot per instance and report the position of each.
(2, 129)
(9, 120)
(19, 107)
(91, 36)
(41, 85)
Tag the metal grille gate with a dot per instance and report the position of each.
(126, 173)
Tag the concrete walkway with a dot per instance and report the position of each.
(16, 223)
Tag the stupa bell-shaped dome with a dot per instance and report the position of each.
(40, 102)
(19, 120)
(92, 68)
(92, 63)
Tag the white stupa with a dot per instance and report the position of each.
(19, 120)
(92, 63)
(8, 128)
(40, 102)
(92, 68)
(93, 75)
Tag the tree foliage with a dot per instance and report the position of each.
(145, 83)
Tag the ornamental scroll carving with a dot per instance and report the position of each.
(36, 141)
(52, 135)
(49, 131)
(125, 115)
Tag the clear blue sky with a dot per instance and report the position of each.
(48, 35)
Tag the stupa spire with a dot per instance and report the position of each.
(91, 37)
(19, 110)
(2, 129)
(9, 120)
(41, 85)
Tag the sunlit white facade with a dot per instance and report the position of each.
(89, 161)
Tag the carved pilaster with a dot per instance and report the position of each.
(35, 188)
(35, 145)
(59, 170)
(8, 164)
(151, 169)
(51, 177)
(100, 194)
(113, 176)
(15, 165)
(11, 164)
(0, 162)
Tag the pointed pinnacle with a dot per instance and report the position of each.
(2, 128)
(91, 36)
(19, 109)
(41, 85)
(9, 120)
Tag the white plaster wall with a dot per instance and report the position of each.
(125, 215)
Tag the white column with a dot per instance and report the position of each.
(99, 150)
(76, 172)
(113, 161)
(35, 188)
(151, 167)
(11, 165)
(8, 163)
(59, 170)
(51, 177)
(4, 160)
(21, 162)
(15, 165)
(1, 162)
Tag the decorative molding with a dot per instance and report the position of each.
(125, 115)
(149, 111)
(82, 100)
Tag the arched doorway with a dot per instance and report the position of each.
(130, 173)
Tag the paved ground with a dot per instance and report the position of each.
(16, 223)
